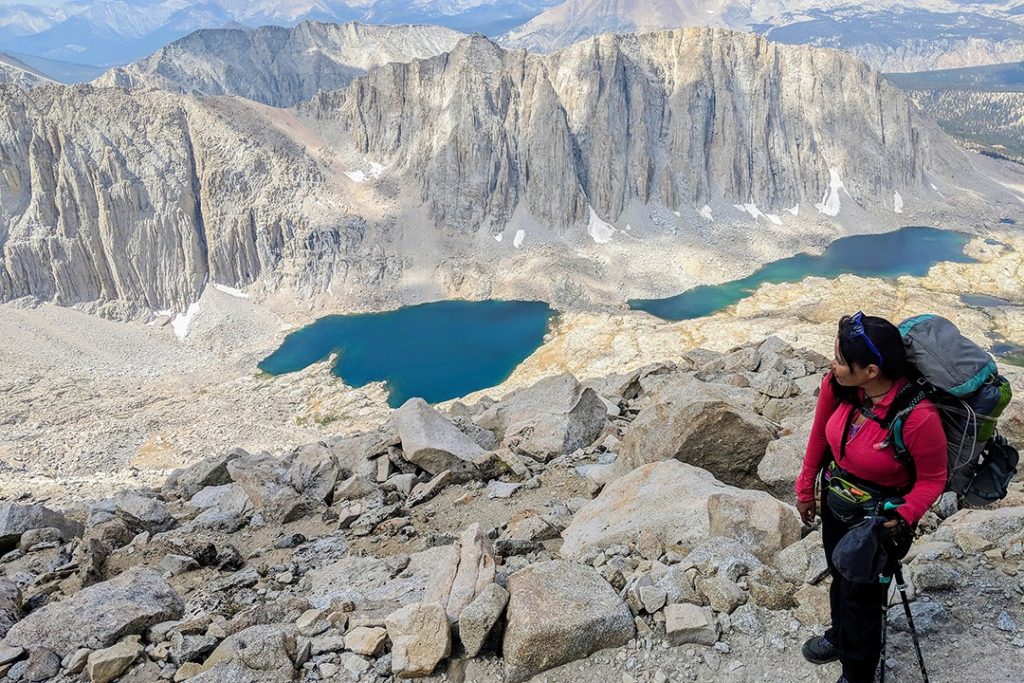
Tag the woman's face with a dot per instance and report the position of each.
(846, 374)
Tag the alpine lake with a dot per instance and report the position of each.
(444, 350)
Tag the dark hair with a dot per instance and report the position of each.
(855, 350)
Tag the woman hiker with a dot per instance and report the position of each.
(860, 473)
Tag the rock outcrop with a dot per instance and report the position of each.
(276, 65)
(676, 502)
(667, 574)
(463, 145)
(98, 616)
(557, 612)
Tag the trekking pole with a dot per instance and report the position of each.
(901, 584)
(885, 628)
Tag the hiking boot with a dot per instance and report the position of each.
(820, 650)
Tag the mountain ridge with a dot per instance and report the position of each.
(621, 167)
(275, 65)
(909, 36)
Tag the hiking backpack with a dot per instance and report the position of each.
(963, 382)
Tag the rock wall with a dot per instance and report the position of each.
(144, 196)
(276, 65)
(682, 117)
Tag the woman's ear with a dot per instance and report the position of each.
(873, 371)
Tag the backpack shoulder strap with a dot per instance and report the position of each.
(908, 397)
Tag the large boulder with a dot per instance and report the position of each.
(387, 583)
(432, 442)
(420, 638)
(10, 605)
(257, 654)
(267, 482)
(762, 524)
(315, 471)
(355, 454)
(558, 612)
(782, 461)
(667, 498)
(980, 530)
(554, 416)
(470, 568)
(211, 471)
(716, 435)
(98, 616)
(223, 508)
(143, 513)
(17, 519)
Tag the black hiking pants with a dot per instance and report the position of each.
(856, 609)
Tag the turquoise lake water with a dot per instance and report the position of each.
(909, 251)
(437, 351)
(448, 349)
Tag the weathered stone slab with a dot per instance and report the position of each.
(687, 623)
(433, 443)
(420, 639)
(558, 612)
(667, 498)
(98, 616)
(725, 439)
(17, 519)
(480, 616)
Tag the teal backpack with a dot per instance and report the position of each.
(963, 382)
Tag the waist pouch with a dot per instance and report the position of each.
(850, 498)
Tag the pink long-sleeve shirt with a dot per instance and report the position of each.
(922, 434)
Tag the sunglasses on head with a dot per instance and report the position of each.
(856, 329)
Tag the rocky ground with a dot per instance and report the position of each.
(632, 527)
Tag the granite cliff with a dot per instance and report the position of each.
(595, 162)
(276, 65)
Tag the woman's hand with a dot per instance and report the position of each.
(807, 509)
(897, 526)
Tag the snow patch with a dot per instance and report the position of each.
(182, 321)
(237, 293)
(752, 210)
(897, 203)
(677, 214)
(499, 237)
(356, 176)
(706, 214)
(375, 169)
(795, 210)
(600, 231)
(518, 240)
(773, 218)
(829, 204)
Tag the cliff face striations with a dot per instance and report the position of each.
(683, 117)
(145, 197)
(581, 158)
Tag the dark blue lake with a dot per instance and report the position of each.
(437, 351)
(909, 251)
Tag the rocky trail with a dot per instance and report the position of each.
(634, 528)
